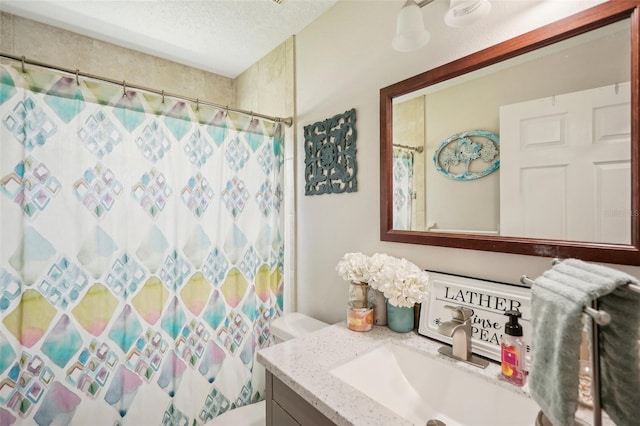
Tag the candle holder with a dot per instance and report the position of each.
(359, 318)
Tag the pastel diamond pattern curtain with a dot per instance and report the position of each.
(403, 188)
(141, 254)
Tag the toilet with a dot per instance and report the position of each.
(286, 327)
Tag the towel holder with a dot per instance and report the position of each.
(600, 318)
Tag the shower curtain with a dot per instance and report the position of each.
(403, 189)
(141, 254)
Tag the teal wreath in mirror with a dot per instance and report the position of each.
(468, 155)
(330, 155)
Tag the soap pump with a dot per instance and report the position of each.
(512, 352)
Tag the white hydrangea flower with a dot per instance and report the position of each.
(401, 281)
(377, 262)
(354, 267)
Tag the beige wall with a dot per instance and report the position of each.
(24, 37)
(267, 86)
(454, 204)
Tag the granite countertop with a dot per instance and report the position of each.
(304, 363)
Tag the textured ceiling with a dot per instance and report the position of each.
(221, 36)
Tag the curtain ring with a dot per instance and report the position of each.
(197, 104)
(162, 96)
(251, 115)
(77, 77)
(22, 59)
(226, 111)
(124, 88)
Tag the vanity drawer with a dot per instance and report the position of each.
(280, 417)
(286, 408)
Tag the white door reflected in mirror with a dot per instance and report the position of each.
(571, 170)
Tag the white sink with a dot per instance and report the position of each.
(419, 388)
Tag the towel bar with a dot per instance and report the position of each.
(631, 287)
(599, 317)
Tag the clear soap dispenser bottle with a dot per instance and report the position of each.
(512, 350)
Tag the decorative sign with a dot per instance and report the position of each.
(330, 155)
(456, 155)
(488, 300)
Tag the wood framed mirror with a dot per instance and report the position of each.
(547, 213)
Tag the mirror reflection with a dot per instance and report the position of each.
(561, 117)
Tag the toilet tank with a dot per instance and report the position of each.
(294, 324)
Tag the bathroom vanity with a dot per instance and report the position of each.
(286, 408)
(302, 367)
(338, 376)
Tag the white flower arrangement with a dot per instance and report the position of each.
(354, 267)
(403, 283)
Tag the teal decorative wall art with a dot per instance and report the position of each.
(330, 155)
(456, 155)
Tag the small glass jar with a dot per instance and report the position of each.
(399, 319)
(378, 301)
(359, 319)
(358, 294)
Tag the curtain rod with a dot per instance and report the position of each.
(288, 121)
(418, 149)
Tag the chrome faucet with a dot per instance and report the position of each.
(459, 329)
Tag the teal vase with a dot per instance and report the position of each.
(399, 319)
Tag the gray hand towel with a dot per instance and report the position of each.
(558, 297)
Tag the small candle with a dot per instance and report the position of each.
(359, 319)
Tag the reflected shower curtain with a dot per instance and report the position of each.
(140, 254)
(403, 189)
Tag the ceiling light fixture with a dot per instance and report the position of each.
(411, 33)
(462, 13)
